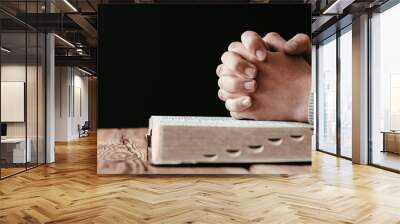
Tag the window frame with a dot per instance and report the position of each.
(333, 37)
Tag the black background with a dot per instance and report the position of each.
(159, 59)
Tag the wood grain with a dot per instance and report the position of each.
(70, 191)
(121, 151)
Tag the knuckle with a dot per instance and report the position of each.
(221, 94)
(224, 56)
(271, 35)
(248, 33)
(230, 59)
(234, 45)
(218, 69)
(231, 105)
(220, 82)
(301, 37)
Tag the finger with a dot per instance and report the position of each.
(219, 69)
(254, 43)
(238, 48)
(300, 44)
(235, 84)
(238, 65)
(238, 104)
(237, 115)
(223, 70)
(224, 95)
(274, 41)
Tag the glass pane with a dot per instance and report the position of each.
(13, 86)
(32, 94)
(31, 86)
(41, 98)
(327, 96)
(385, 84)
(346, 94)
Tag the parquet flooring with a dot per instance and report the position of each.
(70, 191)
(10, 171)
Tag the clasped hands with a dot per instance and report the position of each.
(266, 78)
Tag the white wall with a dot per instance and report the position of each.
(70, 83)
(79, 117)
(62, 81)
(16, 73)
(33, 127)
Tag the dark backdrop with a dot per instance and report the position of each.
(158, 59)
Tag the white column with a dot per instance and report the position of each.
(50, 99)
(360, 90)
(50, 92)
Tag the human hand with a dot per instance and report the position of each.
(281, 89)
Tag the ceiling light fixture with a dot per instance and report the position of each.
(338, 6)
(84, 71)
(65, 41)
(70, 5)
(5, 50)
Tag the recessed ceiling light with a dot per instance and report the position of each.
(70, 6)
(5, 50)
(64, 40)
(84, 71)
(338, 6)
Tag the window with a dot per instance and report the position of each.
(22, 77)
(345, 43)
(327, 95)
(385, 88)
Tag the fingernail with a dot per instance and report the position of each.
(246, 102)
(250, 72)
(249, 85)
(261, 55)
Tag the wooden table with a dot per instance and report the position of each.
(391, 141)
(124, 151)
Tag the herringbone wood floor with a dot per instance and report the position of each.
(70, 191)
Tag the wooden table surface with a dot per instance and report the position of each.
(70, 191)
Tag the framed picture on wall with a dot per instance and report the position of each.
(12, 101)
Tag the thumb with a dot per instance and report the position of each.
(300, 44)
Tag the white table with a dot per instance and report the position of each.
(19, 154)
